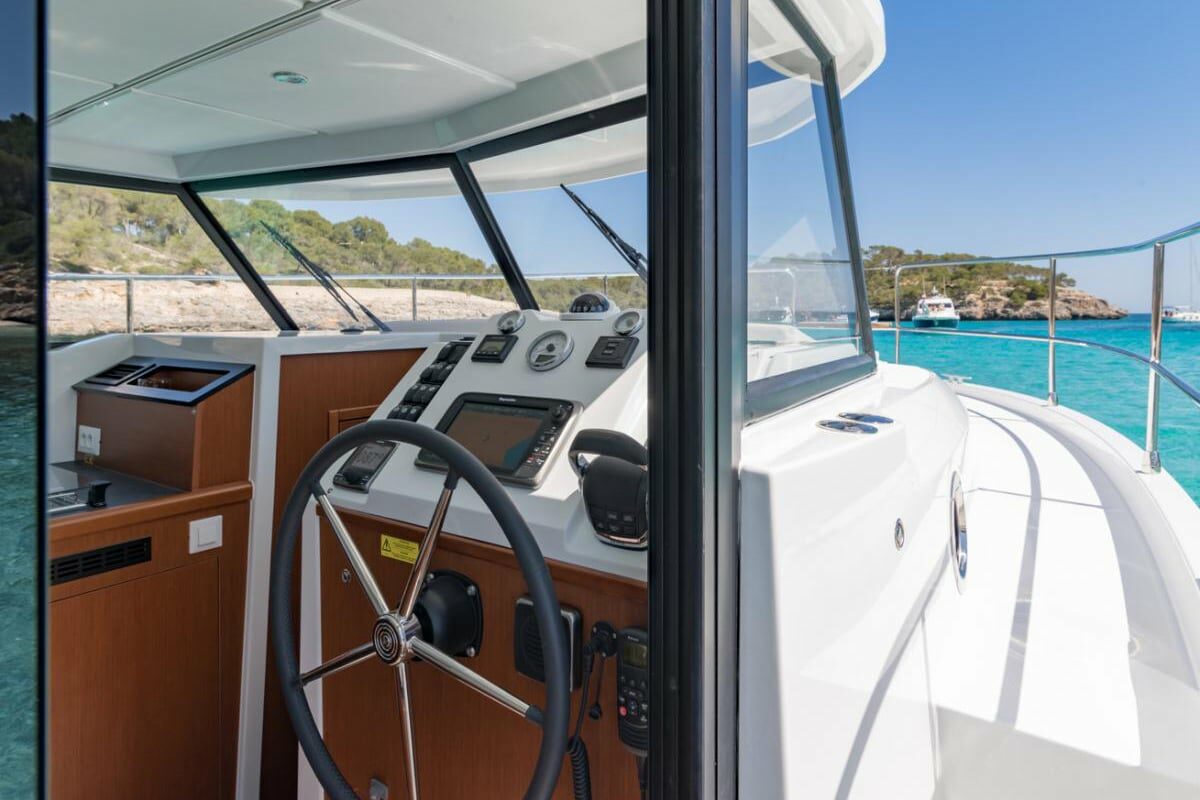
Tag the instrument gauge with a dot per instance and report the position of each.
(549, 350)
(628, 323)
(510, 322)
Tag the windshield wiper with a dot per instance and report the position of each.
(324, 279)
(636, 261)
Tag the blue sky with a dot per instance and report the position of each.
(1032, 125)
(16, 93)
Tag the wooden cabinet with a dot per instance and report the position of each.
(183, 446)
(135, 688)
(145, 660)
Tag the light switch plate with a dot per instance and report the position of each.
(204, 534)
(88, 441)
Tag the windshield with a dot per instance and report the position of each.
(561, 252)
(126, 261)
(373, 239)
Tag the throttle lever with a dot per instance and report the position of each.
(600, 442)
(615, 485)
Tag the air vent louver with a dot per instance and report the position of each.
(96, 562)
(119, 373)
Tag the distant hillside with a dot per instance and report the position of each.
(1004, 290)
(18, 189)
(98, 230)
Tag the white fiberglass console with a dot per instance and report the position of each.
(515, 396)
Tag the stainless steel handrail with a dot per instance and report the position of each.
(1158, 244)
(1190, 391)
(411, 277)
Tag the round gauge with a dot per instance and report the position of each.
(510, 322)
(549, 350)
(628, 323)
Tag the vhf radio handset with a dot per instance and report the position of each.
(633, 689)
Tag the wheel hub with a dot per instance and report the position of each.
(388, 640)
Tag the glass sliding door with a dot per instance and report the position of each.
(21, 252)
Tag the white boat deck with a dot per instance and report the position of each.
(1072, 665)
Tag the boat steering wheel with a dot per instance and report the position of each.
(397, 638)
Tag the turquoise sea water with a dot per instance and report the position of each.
(18, 627)
(1106, 386)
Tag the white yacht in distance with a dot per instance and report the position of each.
(347, 512)
(1180, 314)
(1189, 313)
(935, 311)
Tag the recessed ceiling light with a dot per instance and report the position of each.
(295, 78)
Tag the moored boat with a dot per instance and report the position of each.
(936, 311)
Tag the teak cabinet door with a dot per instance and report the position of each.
(134, 688)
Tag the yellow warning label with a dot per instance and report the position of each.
(399, 549)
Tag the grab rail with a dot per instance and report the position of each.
(412, 278)
(1157, 371)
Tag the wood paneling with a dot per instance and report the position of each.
(135, 689)
(310, 386)
(140, 437)
(94, 663)
(187, 447)
(223, 421)
(343, 419)
(468, 747)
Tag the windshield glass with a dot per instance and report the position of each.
(560, 252)
(801, 296)
(122, 261)
(373, 239)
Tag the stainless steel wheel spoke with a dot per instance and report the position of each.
(470, 677)
(416, 578)
(338, 663)
(406, 724)
(365, 578)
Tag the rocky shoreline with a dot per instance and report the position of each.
(993, 301)
(78, 308)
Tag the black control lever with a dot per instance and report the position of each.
(597, 441)
(615, 485)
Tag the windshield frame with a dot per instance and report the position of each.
(458, 162)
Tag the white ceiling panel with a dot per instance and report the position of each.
(518, 39)
(355, 80)
(115, 40)
(155, 124)
(67, 89)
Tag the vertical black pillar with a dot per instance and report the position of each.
(697, 206)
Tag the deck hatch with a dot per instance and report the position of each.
(99, 561)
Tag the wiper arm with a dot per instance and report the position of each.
(324, 279)
(636, 261)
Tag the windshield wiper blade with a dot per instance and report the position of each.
(325, 279)
(636, 261)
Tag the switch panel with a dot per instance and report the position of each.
(204, 534)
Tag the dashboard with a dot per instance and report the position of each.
(515, 396)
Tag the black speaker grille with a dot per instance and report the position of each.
(96, 562)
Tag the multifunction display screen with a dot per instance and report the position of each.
(514, 437)
(499, 436)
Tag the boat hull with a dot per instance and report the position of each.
(935, 322)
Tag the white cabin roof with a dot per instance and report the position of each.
(385, 79)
